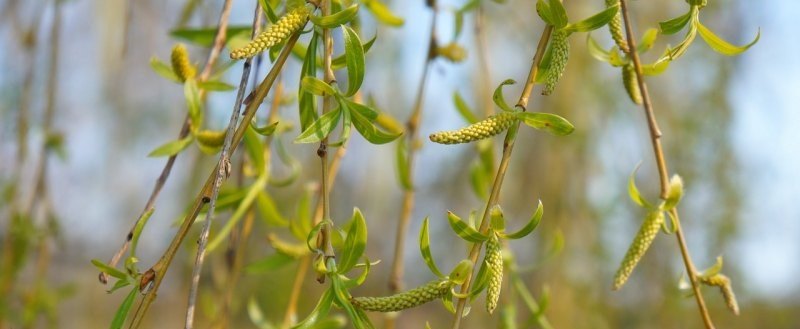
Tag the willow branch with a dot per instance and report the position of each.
(508, 147)
(655, 138)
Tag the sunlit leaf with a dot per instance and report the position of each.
(205, 36)
(402, 164)
(721, 46)
(123, 310)
(269, 211)
(255, 150)
(355, 243)
(172, 148)
(317, 86)
(648, 40)
(633, 191)
(306, 101)
(464, 109)
(463, 230)
(213, 85)
(193, 103)
(594, 22)
(529, 227)
(341, 61)
(559, 14)
(164, 70)
(548, 122)
(137, 230)
(498, 98)
(337, 19)
(713, 270)
(425, 249)
(676, 24)
(321, 128)
(109, 270)
(675, 192)
(544, 12)
(266, 130)
(596, 50)
(382, 13)
(354, 56)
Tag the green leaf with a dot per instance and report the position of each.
(470, 5)
(655, 68)
(674, 193)
(306, 101)
(312, 236)
(205, 36)
(354, 56)
(648, 40)
(363, 117)
(382, 13)
(543, 9)
(266, 130)
(319, 313)
(548, 122)
(241, 210)
(498, 221)
(267, 8)
(269, 263)
(481, 280)
(193, 103)
(123, 310)
(269, 212)
(342, 298)
(215, 86)
(673, 53)
(337, 19)
(463, 229)
(109, 270)
(355, 243)
(721, 46)
(403, 167)
(458, 21)
(164, 70)
(171, 148)
(676, 24)
(137, 230)
(255, 150)
(498, 98)
(461, 272)
(713, 270)
(559, 14)
(595, 22)
(633, 191)
(425, 249)
(253, 310)
(321, 128)
(479, 179)
(596, 50)
(528, 228)
(341, 60)
(464, 109)
(317, 86)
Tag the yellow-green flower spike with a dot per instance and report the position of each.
(275, 34)
(180, 63)
(452, 52)
(483, 129)
(724, 284)
(494, 262)
(631, 83)
(560, 56)
(404, 300)
(615, 27)
(647, 233)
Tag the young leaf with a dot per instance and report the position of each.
(194, 103)
(109, 270)
(548, 122)
(269, 212)
(425, 249)
(463, 230)
(498, 98)
(320, 128)
(267, 8)
(319, 313)
(592, 23)
(458, 21)
(172, 148)
(675, 192)
(204, 37)
(596, 50)
(648, 39)
(382, 13)
(306, 101)
(341, 60)
(317, 86)
(334, 20)
(164, 70)
(354, 56)
(633, 192)
(676, 24)
(123, 310)
(464, 109)
(559, 14)
(137, 231)
(266, 130)
(528, 228)
(498, 221)
(543, 9)
(213, 85)
(355, 243)
(713, 270)
(721, 46)
(255, 150)
(403, 171)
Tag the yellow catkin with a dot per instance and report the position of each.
(452, 52)
(275, 34)
(486, 128)
(647, 233)
(724, 284)
(494, 262)
(180, 63)
(560, 56)
(615, 27)
(631, 83)
(404, 300)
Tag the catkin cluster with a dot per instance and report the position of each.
(486, 128)
(275, 34)
(560, 56)
(615, 27)
(494, 262)
(631, 83)
(180, 63)
(724, 284)
(647, 233)
(404, 300)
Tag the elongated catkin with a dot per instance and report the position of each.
(404, 300)
(275, 34)
(560, 56)
(647, 233)
(494, 262)
(180, 63)
(483, 129)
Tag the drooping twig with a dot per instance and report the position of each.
(655, 138)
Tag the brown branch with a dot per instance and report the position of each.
(655, 138)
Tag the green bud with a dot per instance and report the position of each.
(631, 83)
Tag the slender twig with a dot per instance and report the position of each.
(152, 279)
(655, 138)
(412, 137)
(508, 146)
(219, 43)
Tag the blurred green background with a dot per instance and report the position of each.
(728, 125)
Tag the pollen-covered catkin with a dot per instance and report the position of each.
(615, 27)
(647, 233)
(724, 284)
(404, 300)
(631, 83)
(275, 34)
(494, 262)
(180, 63)
(486, 128)
(560, 56)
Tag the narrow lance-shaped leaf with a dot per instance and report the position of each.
(306, 101)
(204, 37)
(317, 86)
(172, 148)
(319, 313)
(676, 24)
(594, 22)
(321, 128)
(355, 243)
(354, 56)
(551, 123)
(331, 21)
(498, 98)
(721, 46)
(213, 85)
(194, 103)
(425, 249)
(123, 310)
(137, 231)
(464, 109)
(543, 9)
(463, 230)
(528, 228)
(383, 14)
(403, 167)
(164, 70)
(559, 14)
(363, 118)
(103, 267)
(633, 191)
(675, 192)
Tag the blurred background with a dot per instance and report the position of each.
(728, 127)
